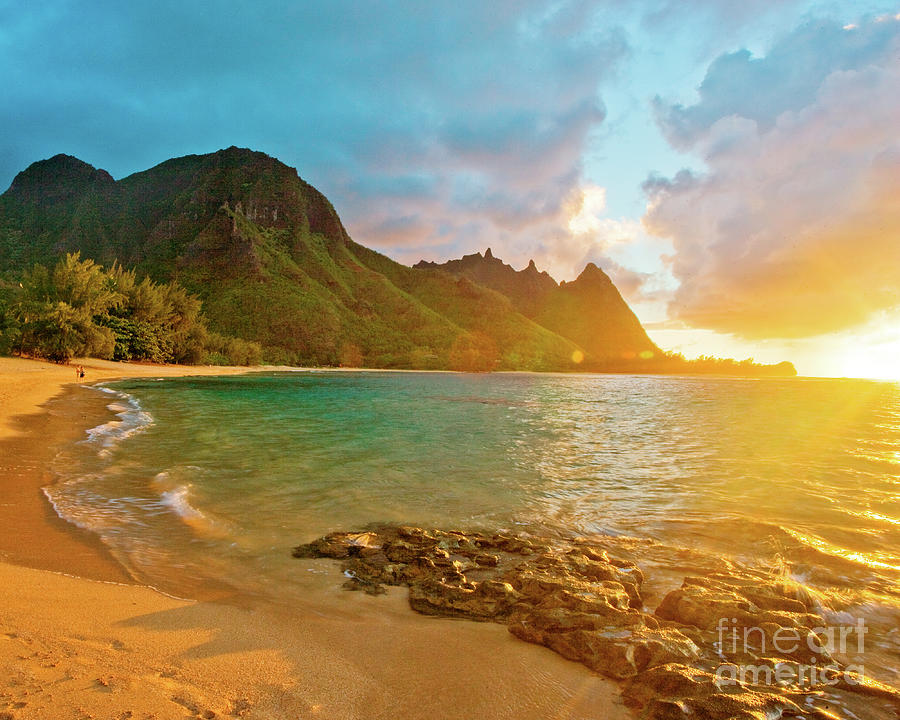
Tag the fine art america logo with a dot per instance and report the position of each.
(810, 652)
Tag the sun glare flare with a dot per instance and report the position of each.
(874, 356)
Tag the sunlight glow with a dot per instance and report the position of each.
(586, 211)
(875, 357)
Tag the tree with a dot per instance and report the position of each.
(55, 310)
(350, 355)
(156, 322)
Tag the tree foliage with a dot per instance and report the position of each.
(675, 363)
(80, 309)
(55, 310)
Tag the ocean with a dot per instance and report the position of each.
(214, 479)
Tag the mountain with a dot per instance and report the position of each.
(526, 289)
(588, 311)
(271, 261)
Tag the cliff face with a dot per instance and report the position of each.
(272, 262)
(589, 311)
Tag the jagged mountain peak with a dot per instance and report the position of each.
(588, 310)
(593, 273)
(488, 262)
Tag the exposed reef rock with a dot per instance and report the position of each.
(745, 645)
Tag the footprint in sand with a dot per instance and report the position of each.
(193, 707)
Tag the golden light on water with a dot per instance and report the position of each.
(870, 560)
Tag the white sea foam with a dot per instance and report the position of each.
(67, 506)
(177, 498)
(81, 501)
(80, 496)
(131, 419)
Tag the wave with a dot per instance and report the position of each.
(79, 494)
(131, 419)
(815, 547)
(69, 502)
(176, 498)
(97, 490)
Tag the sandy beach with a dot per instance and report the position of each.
(79, 639)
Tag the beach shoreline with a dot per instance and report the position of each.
(42, 408)
(78, 638)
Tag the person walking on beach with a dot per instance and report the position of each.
(79, 373)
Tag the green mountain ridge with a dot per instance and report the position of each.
(272, 263)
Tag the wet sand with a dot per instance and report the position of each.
(88, 644)
(33, 534)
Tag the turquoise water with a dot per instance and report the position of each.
(202, 478)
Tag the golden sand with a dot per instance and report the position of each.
(86, 644)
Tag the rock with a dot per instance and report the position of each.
(868, 687)
(327, 546)
(704, 608)
(678, 690)
(402, 551)
(615, 650)
(705, 602)
(670, 680)
(489, 600)
(709, 651)
(746, 706)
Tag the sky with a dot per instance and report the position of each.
(733, 166)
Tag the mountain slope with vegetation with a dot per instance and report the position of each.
(270, 261)
(271, 273)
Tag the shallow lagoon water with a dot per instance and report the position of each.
(202, 479)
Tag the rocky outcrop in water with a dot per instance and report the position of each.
(746, 645)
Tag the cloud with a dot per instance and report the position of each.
(443, 126)
(723, 16)
(793, 229)
(788, 78)
(618, 245)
